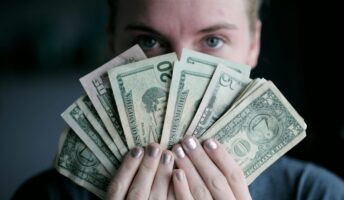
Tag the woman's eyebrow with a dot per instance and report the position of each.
(217, 27)
(141, 27)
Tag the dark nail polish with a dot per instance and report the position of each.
(166, 158)
(136, 152)
(179, 175)
(153, 151)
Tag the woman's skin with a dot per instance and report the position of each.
(216, 27)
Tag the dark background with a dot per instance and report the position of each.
(46, 46)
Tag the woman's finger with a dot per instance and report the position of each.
(170, 194)
(142, 183)
(197, 186)
(163, 176)
(233, 173)
(181, 186)
(214, 179)
(120, 184)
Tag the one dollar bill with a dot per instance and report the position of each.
(77, 120)
(90, 113)
(77, 162)
(257, 132)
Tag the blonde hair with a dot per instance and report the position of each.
(253, 9)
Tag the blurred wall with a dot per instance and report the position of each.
(46, 46)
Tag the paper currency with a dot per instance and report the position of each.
(76, 119)
(90, 112)
(189, 83)
(97, 87)
(77, 162)
(141, 90)
(134, 104)
(224, 87)
(197, 58)
(253, 86)
(259, 130)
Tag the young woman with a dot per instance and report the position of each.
(225, 28)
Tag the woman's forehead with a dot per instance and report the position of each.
(195, 12)
(180, 6)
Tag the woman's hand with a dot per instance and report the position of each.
(143, 175)
(204, 173)
(211, 172)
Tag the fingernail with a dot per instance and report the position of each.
(136, 152)
(153, 151)
(179, 152)
(190, 143)
(211, 144)
(166, 158)
(179, 175)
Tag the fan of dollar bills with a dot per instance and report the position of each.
(133, 101)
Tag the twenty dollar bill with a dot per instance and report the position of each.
(141, 90)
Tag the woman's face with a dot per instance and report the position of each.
(216, 27)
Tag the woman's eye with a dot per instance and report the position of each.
(214, 42)
(147, 42)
